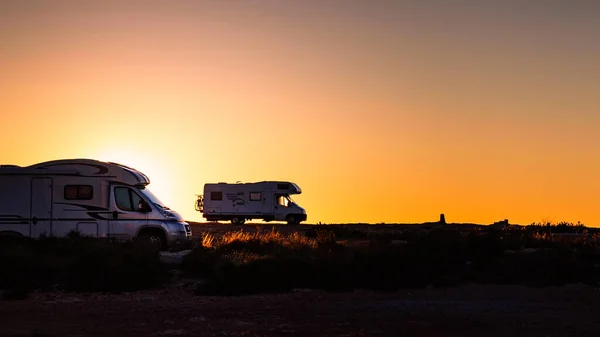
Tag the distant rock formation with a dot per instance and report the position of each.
(499, 225)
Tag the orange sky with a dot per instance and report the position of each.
(382, 111)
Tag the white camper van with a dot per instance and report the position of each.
(96, 198)
(267, 200)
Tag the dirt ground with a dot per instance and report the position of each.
(472, 310)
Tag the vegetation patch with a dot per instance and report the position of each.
(78, 264)
(270, 261)
(245, 263)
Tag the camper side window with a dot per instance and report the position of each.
(126, 199)
(255, 196)
(216, 195)
(122, 198)
(79, 192)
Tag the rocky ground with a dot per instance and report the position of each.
(472, 310)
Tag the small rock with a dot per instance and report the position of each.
(71, 300)
(418, 322)
(375, 332)
(198, 319)
(172, 332)
(241, 323)
(301, 290)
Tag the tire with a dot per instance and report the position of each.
(9, 236)
(154, 238)
(292, 220)
(236, 220)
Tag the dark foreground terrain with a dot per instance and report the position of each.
(468, 310)
(278, 280)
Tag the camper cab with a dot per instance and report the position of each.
(95, 198)
(267, 200)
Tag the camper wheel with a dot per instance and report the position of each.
(237, 220)
(7, 236)
(10, 234)
(292, 220)
(153, 236)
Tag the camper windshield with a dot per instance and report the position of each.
(285, 201)
(153, 199)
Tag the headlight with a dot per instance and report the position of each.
(167, 214)
(177, 228)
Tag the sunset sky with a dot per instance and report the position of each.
(381, 111)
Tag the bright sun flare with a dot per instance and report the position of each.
(151, 167)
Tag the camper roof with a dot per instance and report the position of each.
(81, 167)
(291, 187)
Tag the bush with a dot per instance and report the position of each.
(561, 227)
(116, 268)
(539, 268)
(79, 264)
(439, 258)
(334, 231)
(278, 274)
(202, 262)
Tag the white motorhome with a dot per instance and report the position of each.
(95, 198)
(267, 200)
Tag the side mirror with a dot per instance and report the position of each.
(144, 207)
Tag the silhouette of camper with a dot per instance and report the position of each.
(238, 202)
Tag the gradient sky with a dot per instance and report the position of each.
(382, 111)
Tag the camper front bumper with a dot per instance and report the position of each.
(181, 238)
(181, 242)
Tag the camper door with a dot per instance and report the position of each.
(281, 206)
(258, 202)
(41, 207)
(126, 217)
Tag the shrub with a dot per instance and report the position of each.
(203, 262)
(116, 268)
(278, 274)
(79, 264)
(335, 231)
(439, 258)
(561, 227)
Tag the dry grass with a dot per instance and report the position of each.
(292, 241)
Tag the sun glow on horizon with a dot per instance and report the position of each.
(161, 182)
